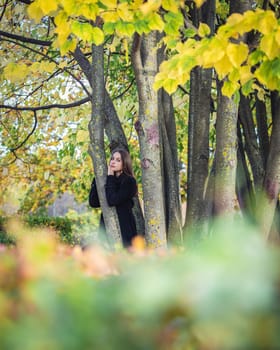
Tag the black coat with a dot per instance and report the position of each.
(119, 193)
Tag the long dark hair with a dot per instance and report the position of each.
(126, 160)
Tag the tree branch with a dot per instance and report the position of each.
(24, 39)
(41, 108)
(28, 135)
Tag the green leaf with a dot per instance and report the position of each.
(125, 28)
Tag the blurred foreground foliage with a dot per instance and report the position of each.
(221, 293)
(73, 229)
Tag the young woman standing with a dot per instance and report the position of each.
(120, 189)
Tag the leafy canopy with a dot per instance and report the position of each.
(232, 59)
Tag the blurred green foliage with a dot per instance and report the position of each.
(72, 229)
(221, 293)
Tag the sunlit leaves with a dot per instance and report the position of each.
(237, 53)
(88, 33)
(229, 56)
(15, 72)
(199, 3)
(203, 30)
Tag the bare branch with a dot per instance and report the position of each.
(4, 9)
(41, 108)
(24, 39)
(28, 136)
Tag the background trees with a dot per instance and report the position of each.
(52, 59)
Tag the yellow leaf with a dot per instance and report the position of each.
(82, 136)
(213, 53)
(15, 72)
(269, 46)
(150, 6)
(223, 67)
(35, 12)
(47, 66)
(203, 30)
(237, 53)
(170, 5)
(170, 85)
(60, 18)
(235, 18)
(199, 3)
(97, 36)
(110, 16)
(47, 6)
(245, 74)
(68, 45)
(268, 22)
(155, 22)
(110, 4)
(70, 6)
(229, 88)
(124, 12)
(63, 31)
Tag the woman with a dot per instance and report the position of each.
(120, 189)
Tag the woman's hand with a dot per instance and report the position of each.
(110, 170)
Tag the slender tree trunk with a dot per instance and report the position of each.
(244, 187)
(96, 149)
(173, 211)
(261, 117)
(272, 174)
(251, 141)
(144, 58)
(169, 152)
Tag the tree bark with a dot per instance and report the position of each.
(198, 133)
(272, 174)
(96, 148)
(251, 141)
(226, 157)
(173, 213)
(144, 58)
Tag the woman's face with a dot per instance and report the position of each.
(116, 162)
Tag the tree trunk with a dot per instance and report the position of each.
(144, 58)
(198, 154)
(113, 129)
(96, 148)
(198, 134)
(262, 130)
(173, 213)
(272, 174)
(226, 157)
(251, 141)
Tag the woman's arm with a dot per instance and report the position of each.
(126, 191)
(93, 196)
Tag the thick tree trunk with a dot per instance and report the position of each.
(226, 156)
(96, 149)
(198, 155)
(198, 133)
(144, 57)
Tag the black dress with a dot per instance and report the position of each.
(119, 193)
